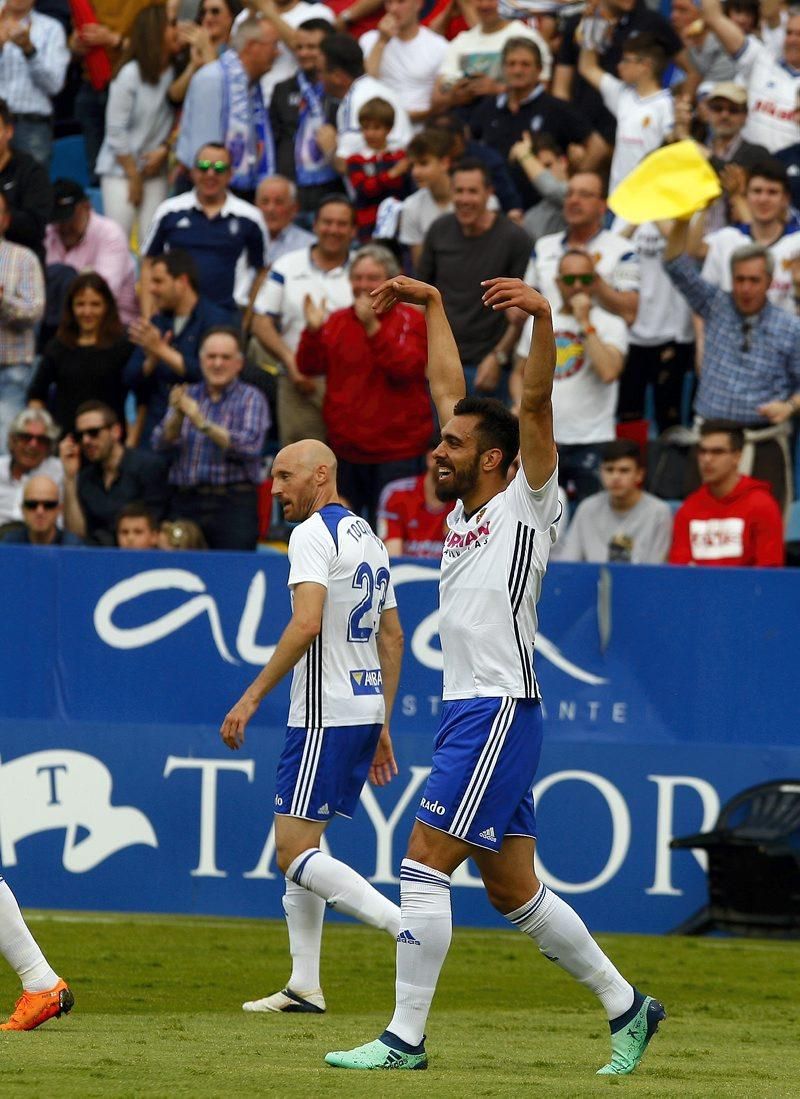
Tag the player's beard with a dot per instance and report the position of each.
(461, 484)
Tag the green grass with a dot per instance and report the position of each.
(158, 1014)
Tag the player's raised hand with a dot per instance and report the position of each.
(514, 294)
(404, 289)
(235, 723)
(384, 766)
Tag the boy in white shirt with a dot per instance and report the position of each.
(431, 161)
(644, 110)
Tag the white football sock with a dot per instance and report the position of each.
(344, 889)
(426, 927)
(304, 915)
(562, 936)
(20, 949)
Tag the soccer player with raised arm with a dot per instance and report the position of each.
(478, 802)
(345, 644)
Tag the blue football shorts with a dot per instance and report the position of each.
(484, 762)
(321, 772)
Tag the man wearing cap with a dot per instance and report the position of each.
(33, 64)
(726, 106)
(772, 83)
(81, 238)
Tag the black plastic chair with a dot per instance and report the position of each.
(753, 864)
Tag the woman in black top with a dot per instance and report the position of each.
(85, 359)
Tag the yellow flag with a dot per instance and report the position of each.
(673, 182)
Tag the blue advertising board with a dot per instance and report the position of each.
(666, 692)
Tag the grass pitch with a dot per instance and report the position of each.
(158, 1013)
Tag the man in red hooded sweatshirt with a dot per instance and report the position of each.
(731, 519)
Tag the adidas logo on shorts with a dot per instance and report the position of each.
(408, 939)
(488, 834)
(323, 808)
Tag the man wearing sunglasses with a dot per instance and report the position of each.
(591, 345)
(41, 508)
(30, 446)
(225, 236)
(101, 476)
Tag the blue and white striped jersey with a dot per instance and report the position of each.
(492, 568)
(338, 681)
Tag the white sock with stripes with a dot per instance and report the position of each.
(305, 913)
(344, 889)
(562, 936)
(20, 949)
(426, 929)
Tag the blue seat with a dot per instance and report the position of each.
(95, 196)
(793, 526)
(69, 160)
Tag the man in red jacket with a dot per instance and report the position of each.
(731, 519)
(377, 410)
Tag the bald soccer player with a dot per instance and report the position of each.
(344, 644)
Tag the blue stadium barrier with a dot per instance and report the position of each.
(666, 692)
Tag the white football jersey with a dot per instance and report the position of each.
(643, 123)
(338, 681)
(493, 563)
(771, 96)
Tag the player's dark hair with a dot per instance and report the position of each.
(472, 164)
(340, 199)
(317, 25)
(222, 330)
(436, 143)
(109, 415)
(770, 169)
(179, 263)
(545, 143)
(136, 509)
(724, 427)
(377, 110)
(497, 426)
(343, 52)
(622, 448)
(520, 43)
(649, 48)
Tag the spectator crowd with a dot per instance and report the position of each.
(197, 199)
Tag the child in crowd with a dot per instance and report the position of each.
(378, 173)
(644, 110)
(430, 154)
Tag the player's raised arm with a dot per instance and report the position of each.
(537, 445)
(444, 370)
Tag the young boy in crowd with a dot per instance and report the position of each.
(377, 173)
(430, 154)
(644, 110)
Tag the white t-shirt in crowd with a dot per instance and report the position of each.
(473, 53)
(724, 242)
(584, 407)
(285, 64)
(664, 313)
(771, 96)
(613, 255)
(292, 277)
(366, 87)
(419, 212)
(642, 124)
(409, 68)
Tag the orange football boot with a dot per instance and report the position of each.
(34, 1008)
